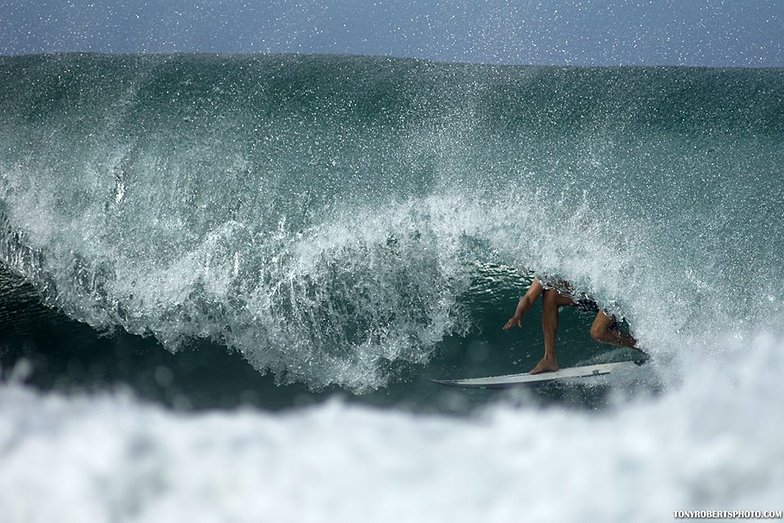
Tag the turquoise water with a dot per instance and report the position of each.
(275, 232)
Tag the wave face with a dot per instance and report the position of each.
(330, 216)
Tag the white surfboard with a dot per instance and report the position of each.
(510, 380)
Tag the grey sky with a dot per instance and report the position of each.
(586, 32)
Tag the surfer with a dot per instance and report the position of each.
(558, 293)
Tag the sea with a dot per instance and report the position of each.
(227, 281)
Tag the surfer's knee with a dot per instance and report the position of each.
(550, 298)
(599, 332)
(601, 329)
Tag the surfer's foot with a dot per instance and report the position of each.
(545, 365)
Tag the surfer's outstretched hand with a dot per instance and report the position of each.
(514, 321)
(524, 305)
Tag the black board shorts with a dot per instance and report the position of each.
(587, 306)
(581, 301)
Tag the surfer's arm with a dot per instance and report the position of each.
(524, 305)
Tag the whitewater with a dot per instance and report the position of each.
(312, 237)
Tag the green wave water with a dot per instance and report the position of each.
(333, 219)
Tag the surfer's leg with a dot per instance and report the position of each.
(551, 300)
(605, 330)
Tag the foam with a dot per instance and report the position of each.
(711, 442)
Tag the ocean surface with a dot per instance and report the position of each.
(226, 281)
